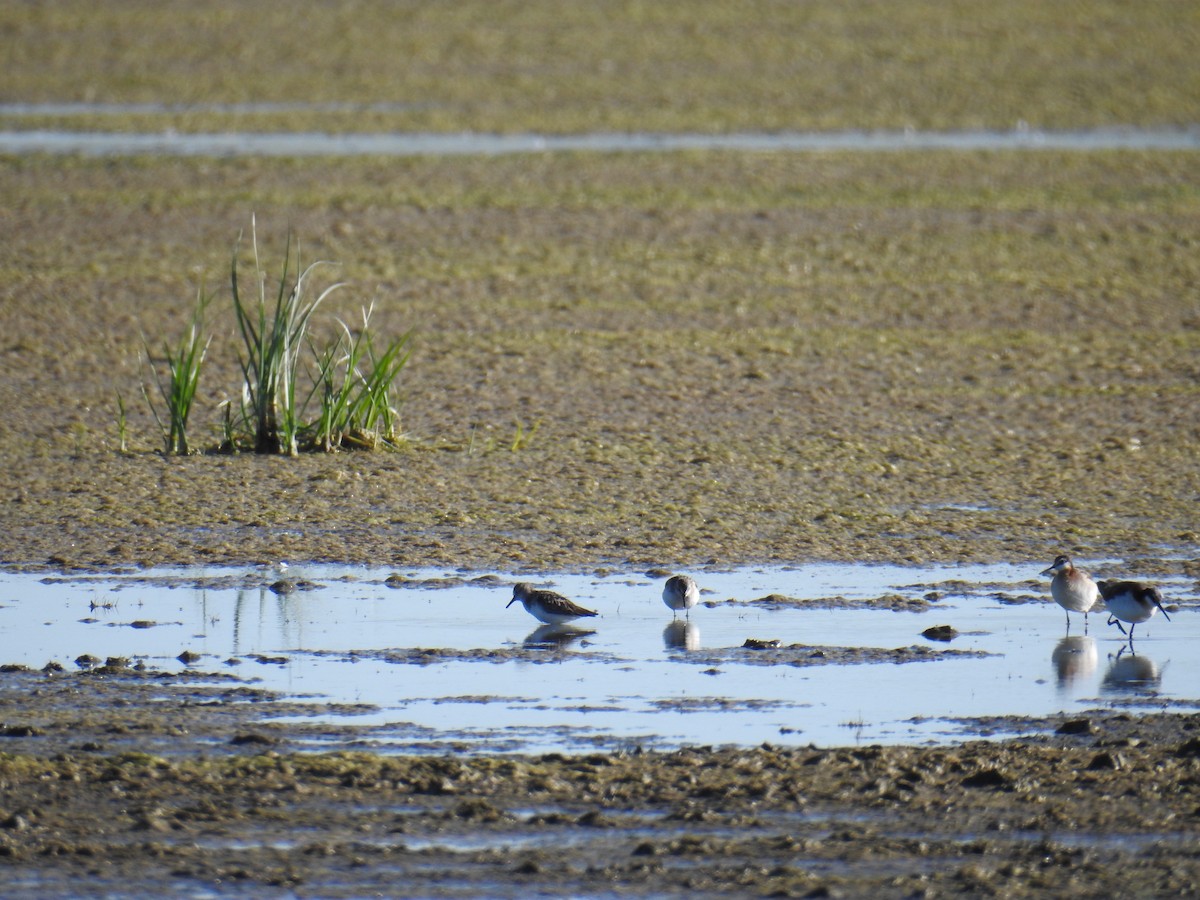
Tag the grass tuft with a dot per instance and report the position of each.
(273, 340)
(177, 388)
(355, 385)
(350, 378)
(523, 437)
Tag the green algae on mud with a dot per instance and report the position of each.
(598, 65)
(730, 358)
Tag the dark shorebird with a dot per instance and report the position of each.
(1132, 602)
(547, 606)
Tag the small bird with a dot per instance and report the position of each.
(1132, 602)
(547, 606)
(680, 592)
(1072, 588)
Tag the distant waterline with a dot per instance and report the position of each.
(228, 144)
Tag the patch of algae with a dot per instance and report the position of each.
(727, 357)
(597, 65)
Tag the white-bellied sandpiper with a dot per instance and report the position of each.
(1132, 602)
(547, 606)
(681, 592)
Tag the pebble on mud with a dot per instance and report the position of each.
(940, 633)
(761, 644)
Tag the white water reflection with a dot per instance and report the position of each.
(632, 676)
(294, 144)
(68, 109)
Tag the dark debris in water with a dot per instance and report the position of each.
(538, 652)
(720, 704)
(772, 653)
(397, 580)
(940, 633)
(894, 602)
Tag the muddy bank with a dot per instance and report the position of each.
(1105, 803)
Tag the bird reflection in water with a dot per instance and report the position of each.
(1132, 672)
(554, 637)
(1074, 658)
(681, 634)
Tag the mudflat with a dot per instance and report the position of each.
(618, 360)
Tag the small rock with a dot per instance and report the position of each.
(250, 737)
(1107, 760)
(20, 731)
(188, 657)
(757, 644)
(86, 661)
(1076, 726)
(1189, 748)
(940, 633)
(986, 778)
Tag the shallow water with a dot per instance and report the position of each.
(169, 143)
(442, 663)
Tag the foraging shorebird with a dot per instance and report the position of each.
(1072, 588)
(681, 592)
(1132, 602)
(547, 606)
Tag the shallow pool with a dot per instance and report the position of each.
(438, 661)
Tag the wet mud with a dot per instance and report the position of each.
(103, 789)
(730, 358)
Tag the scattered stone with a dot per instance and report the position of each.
(15, 822)
(1106, 760)
(986, 778)
(20, 731)
(188, 657)
(1189, 748)
(945, 633)
(253, 737)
